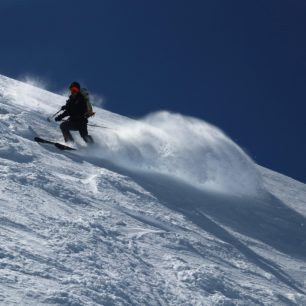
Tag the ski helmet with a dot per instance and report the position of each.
(75, 84)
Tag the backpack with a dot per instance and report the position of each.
(89, 111)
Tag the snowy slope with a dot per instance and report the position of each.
(162, 211)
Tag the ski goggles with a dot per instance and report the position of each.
(74, 89)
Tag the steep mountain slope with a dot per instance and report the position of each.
(163, 211)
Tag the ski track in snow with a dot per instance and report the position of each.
(138, 219)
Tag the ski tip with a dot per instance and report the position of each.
(38, 139)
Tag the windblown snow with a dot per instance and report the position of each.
(166, 210)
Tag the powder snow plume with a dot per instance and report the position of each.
(184, 147)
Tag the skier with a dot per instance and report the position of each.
(77, 108)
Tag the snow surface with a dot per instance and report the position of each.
(162, 211)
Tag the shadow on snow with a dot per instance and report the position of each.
(267, 220)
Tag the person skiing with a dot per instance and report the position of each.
(77, 109)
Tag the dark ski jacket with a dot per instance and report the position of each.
(75, 108)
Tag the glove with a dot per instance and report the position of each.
(58, 118)
(63, 107)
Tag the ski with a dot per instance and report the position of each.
(56, 144)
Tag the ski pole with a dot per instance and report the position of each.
(100, 126)
(95, 125)
(52, 116)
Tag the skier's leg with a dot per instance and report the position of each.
(88, 139)
(84, 133)
(65, 128)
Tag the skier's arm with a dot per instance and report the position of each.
(61, 116)
(65, 113)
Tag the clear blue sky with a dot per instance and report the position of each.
(240, 65)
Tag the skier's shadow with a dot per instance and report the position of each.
(268, 220)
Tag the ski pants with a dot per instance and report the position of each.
(80, 125)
